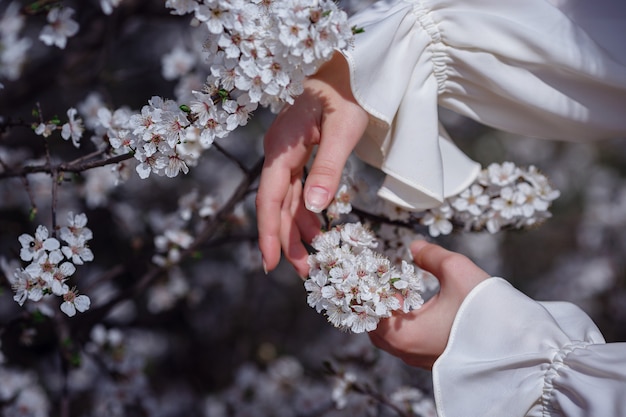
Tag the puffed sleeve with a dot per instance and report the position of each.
(524, 66)
(509, 355)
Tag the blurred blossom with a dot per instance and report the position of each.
(341, 388)
(194, 340)
(108, 5)
(13, 49)
(177, 63)
(60, 27)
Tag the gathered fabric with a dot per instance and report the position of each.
(509, 355)
(549, 69)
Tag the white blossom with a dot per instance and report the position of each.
(74, 302)
(25, 287)
(77, 250)
(472, 200)
(73, 128)
(107, 6)
(341, 388)
(60, 27)
(33, 247)
(45, 129)
(13, 49)
(438, 220)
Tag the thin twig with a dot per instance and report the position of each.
(9, 123)
(29, 192)
(231, 157)
(53, 205)
(209, 229)
(53, 173)
(83, 158)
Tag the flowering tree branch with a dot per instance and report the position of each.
(77, 166)
(209, 229)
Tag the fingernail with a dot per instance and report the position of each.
(264, 267)
(315, 199)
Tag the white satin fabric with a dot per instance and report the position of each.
(553, 69)
(510, 356)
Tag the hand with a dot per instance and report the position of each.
(326, 114)
(420, 337)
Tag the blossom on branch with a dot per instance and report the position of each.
(73, 128)
(355, 286)
(52, 264)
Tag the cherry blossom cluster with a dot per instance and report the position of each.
(503, 196)
(258, 54)
(263, 50)
(353, 285)
(52, 264)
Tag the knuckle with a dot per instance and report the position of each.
(324, 169)
(452, 263)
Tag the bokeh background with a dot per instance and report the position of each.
(215, 336)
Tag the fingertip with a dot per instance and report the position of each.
(270, 253)
(316, 198)
(417, 246)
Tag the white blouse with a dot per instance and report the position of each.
(546, 68)
(553, 69)
(510, 356)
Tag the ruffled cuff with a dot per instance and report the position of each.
(508, 355)
(397, 67)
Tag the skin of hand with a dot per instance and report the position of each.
(420, 336)
(325, 116)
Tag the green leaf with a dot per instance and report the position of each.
(75, 360)
(356, 30)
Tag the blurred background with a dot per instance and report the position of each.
(214, 335)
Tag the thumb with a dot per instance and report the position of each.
(453, 270)
(341, 129)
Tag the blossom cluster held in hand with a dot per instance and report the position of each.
(52, 263)
(353, 285)
(503, 196)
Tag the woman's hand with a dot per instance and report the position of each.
(420, 337)
(325, 115)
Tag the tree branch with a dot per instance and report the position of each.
(74, 166)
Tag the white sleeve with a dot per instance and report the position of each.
(524, 66)
(509, 355)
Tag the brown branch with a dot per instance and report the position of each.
(366, 389)
(9, 123)
(73, 166)
(230, 156)
(210, 228)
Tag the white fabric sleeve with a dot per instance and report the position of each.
(509, 355)
(524, 66)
